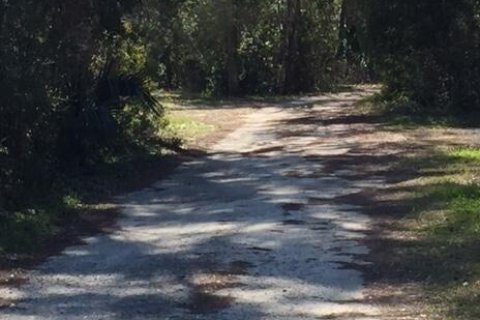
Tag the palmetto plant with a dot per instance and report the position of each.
(97, 120)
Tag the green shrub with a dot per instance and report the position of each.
(23, 232)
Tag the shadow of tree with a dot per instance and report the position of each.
(443, 258)
(231, 190)
(229, 233)
(214, 213)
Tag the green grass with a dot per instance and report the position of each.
(23, 232)
(185, 128)
(460, 205)
(171, 99)
(444, 252)
(466, 154)
(447, 255)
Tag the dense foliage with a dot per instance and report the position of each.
(244, 46)
(65, 78)
(77, 76)
(428, 52)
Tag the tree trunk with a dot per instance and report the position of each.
(293, 18)
(231, 48)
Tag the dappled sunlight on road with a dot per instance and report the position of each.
(249, 231)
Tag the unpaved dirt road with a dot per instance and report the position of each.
(246, 232)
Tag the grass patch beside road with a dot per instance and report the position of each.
(433, 243)
(400, 113)
(446, 206)
(185, 128)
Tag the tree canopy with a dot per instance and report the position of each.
(77, 77)
(428, 51)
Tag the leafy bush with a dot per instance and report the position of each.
(21, 232)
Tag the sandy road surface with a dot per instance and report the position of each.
(247, 232)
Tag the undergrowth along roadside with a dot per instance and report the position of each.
(399, 112)
(438, 245)
(447, 206)
(79, 200)
(76, 202)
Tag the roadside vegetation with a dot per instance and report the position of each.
(90, 96)
(79, 202)
(400, 112)
(79, 109)
(436, 185)
(181, 125)
(446, 207)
